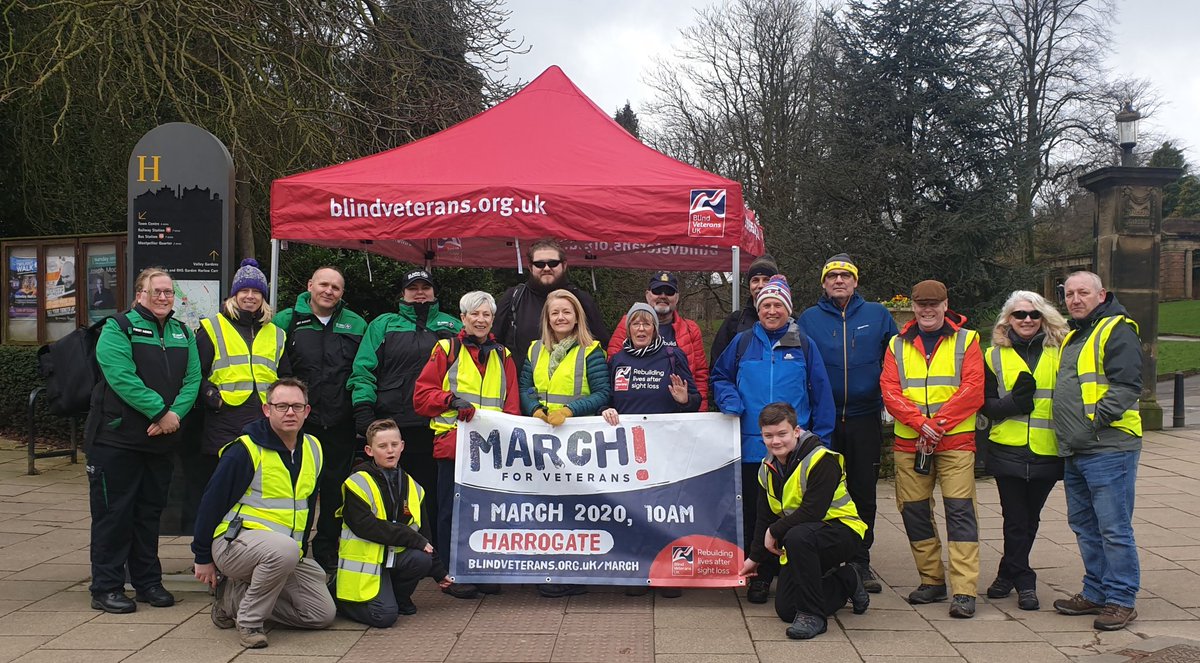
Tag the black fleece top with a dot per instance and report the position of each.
(823, 480)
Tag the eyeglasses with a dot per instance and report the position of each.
(1021, 315)
(641, 324)
(543, 264)
(663, 290)
(160, 293)
(282, 408)
(838, 276)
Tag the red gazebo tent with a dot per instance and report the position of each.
(547, 162)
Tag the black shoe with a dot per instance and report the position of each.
(560, 591)
(927, 594)
(637, 590)
(1027, 600)
(963, 606)
(860, 600)
(407, 608)
(1000, 588)
(488, 588)
(114, 602)
(157, 596)
(461, 590)
(806, 626)
(670, 592)
(759, 591)
(870, 583)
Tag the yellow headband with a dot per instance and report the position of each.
(838, 264)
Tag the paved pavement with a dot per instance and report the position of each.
(45, 616)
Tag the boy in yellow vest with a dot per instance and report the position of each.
(807, 518)
(384, 549)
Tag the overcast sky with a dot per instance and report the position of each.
(607, 49)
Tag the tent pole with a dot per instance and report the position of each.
(274, 273)
(520, 267)
(736, 281)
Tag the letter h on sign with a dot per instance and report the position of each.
(153, 168)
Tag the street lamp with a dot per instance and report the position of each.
(1127, 121)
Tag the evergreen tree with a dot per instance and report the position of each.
(628, 119)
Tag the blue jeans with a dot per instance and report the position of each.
(1100, 490)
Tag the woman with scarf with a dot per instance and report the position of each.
(1021, 367)
(565, 375)
(649, 378)
(469, 372)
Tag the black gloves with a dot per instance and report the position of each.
(364, 414)
(211, 396)
(466, 411)
(1022, 392)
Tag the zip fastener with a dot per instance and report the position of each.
(845, 369)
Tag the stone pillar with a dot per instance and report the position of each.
(1128, 231)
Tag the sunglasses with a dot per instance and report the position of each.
(1021, 315)
(543, 264)
(662, 291)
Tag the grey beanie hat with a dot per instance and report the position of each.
(645, 308)
(763, 265)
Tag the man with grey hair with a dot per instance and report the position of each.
(1099, 431)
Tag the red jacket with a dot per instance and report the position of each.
(430, 400)
(687, 337)
(962, 405)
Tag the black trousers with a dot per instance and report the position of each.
(338, 445)
(1021, 503)
(396, 587)
(860, 440)
(816, 579)
(417, 462)
(128, 490)
(750, 490)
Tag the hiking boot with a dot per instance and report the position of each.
(406, 608)
(927, 594)
(157, 596)
(1027, 599)
(252, 637)
(806, 626)
(114, 602)
(488, 588)
(860, 600)
(1077, 605)
(868, 579)
(670, 592)
(220, 618)
(963, 606)
(461, 590)
(637, 590)
(1000, 588)
(759, 591)
(1114, 617)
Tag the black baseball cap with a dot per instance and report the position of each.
(661, 279)
(416, 275)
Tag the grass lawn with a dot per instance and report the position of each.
(1178, 356)
(1182, 317)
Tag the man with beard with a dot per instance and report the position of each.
(519, 311)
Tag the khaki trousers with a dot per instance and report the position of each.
(268, 580)
(954, 472)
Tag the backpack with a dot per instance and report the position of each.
(70, 369)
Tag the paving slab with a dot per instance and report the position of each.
(808, 651)
(109, 636)
(717, 639)
(504, 648)
(182, 650)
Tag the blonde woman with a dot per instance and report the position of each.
(1022, 453)
(566, 375)
(240, 355)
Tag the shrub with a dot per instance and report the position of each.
(18, 377)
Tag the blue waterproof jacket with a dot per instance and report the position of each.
(789, 370)
(852, 343)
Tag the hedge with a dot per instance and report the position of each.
(18, 377)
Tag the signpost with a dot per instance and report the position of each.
(181, 215)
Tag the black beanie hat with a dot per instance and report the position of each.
(763, 265)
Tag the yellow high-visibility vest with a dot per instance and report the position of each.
(360, 562)
(569, 382)
(238, 371)
(1090, 368)
(485, 392)
(1035, 429)
(271, 502)
(841, 508)
(929, 386)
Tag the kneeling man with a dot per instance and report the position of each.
(806, 517)
(252, 522)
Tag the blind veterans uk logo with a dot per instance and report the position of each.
(706, 214)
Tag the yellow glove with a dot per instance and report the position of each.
(540, 413)
(557, 417)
